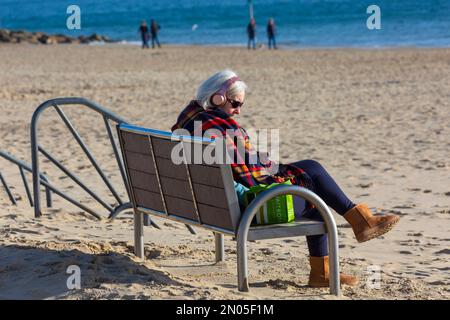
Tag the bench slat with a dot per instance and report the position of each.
(176, 188)
(300, 227)
(140, 162)
(135, 142)
(194, 153)
(207, 175)
(210, 195)
(168, 169)
(148, 199)
(163, 147)
(144, 181)
(181, 207)
(215, 216)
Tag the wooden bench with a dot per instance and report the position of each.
(203, 195)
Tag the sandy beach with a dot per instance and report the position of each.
(378, 120)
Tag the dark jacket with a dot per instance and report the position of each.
(251, 30)
(270, 30)
(154, 28)
(143, 30)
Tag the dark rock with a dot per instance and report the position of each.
(83, 39)
(95, 37)
(45, 39)
(20, 36)
(60, 38)
(5, 35)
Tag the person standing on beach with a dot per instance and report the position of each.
(143, 29)
(251, 33)
(271, 33)
(154, 29)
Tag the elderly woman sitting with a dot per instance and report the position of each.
(219, 99)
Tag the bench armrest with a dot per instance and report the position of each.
(258, 202)
(263, 197)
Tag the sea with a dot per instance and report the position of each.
(299, 23)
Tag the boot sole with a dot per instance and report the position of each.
(377, 231)
(327, 285)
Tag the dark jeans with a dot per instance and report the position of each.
(272, 42)
(253, 42)
(327, 189)
(144, 41)
(155, 39)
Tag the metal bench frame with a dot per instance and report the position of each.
(242, 230)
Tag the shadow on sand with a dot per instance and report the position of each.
(38, 273)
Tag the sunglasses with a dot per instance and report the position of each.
(235, 104)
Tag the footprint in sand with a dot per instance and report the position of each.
(26, 231)
(405, 206)
(418, 234)
(444, 251)
(444, 269)
(52, 229)
(439, 283)
(366, 165)
(365, 185)
(422, 274)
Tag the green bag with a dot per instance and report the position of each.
(277, 210)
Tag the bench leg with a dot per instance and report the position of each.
(139, 234)
(334, 263)
(242, 267)
(147, 220)
(220, 250)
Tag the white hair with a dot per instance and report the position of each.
(214, 83)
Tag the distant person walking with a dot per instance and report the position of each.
(143, 29)
(251, 33)
(271, 33)
(154, 29)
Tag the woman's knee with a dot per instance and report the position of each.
(312, 166)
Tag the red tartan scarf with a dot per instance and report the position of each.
(245, 172)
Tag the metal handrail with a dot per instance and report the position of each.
(253, 208)
(8, 191)
(35, 148)
(23, 166)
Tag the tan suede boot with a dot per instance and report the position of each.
(319, 275)
(365, 225)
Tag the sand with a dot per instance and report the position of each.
(378, 120)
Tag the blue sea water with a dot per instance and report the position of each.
(300, 23)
